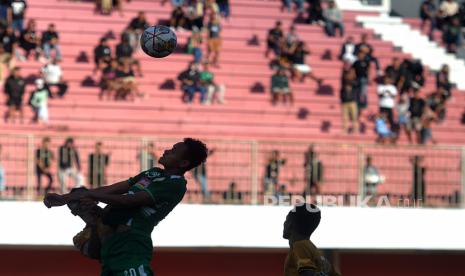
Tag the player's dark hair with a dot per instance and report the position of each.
(197, 152)
(306, 218)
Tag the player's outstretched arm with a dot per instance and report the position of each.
(54, 200)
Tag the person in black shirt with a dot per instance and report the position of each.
(18, 10)
(135, 29)
(178, 18)
(190, 83)
(362, 68)
(44, 159)
(232, 196)
(418, 180)
(223, 6)
(428, 12)
(416, 109)
(69, 165)
(108, 83)
(126, 82)
(313, 172)
(14, 89)
(9, 40)
(275, 39)
(124, 51)
(348, 97)
(272, 173)
(98, 163)
(300, 69)
(50, 41)
(315, 12)
(442, 81)
(102, 54)
(368, 50)
(29, 40)
(393, 71)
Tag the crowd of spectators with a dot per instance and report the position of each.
(448, 17)
(203, 19)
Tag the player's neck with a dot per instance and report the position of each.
(173, 171)
(297, 237)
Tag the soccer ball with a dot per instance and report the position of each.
(158, 41)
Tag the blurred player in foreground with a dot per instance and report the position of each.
(304, 259)
(120, 234)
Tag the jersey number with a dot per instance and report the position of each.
(132, 271)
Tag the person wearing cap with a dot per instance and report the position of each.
(69, 165)
(39, 102)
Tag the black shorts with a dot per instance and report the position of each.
(16, 103)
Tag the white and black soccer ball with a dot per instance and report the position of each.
(158, 41)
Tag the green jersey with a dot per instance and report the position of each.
(135, 244)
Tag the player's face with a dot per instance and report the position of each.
(174, 157)
(287, 229)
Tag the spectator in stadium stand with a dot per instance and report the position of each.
(452, 35)
(108, 82)
(147, 157)
(104, 6)
(195, 45)
(437, 104)
(347, 51)
(127, 86)
(428, 13)
(195, 13)
(442, 81)
(313, 171)
(5, 12)
(44, 159)
(102, 55)
(274, 39)
(215, 91)
(299, 5)
(200, 176)
(272, 170)
(223, 5)
(280, 88)
(98, 163)
(418, 180)
(2, 175)
(371, 177)
(300, 69)
(333, 19)
(39, 102)
(315, 12)
(14, 89)
(394, 71)
(449, 9)
(29, 40)
(69, 165)
(214, 40)
(10, 43)
(135, 29)
(387, 93)
(385, 134)
(364, 44)
(362, 68)
(50, 40)
(190, 83)
(124, 51)
(416, 109)
(426, 133)
(178, 19)
(18, 11)
(211, 8)
(403, 115)
(348, 97)
(232, 196)
(292, 36)
(53, 76)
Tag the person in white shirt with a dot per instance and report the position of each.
(53, 76)
(387, 93)
(39, 102)
(449, 7)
